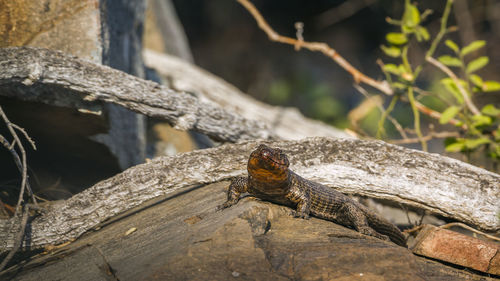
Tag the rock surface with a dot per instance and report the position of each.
(183, 237)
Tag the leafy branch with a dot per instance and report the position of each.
(476, 128)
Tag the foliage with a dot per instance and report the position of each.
(477, 129)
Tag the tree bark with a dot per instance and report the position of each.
(435, 183)
(287, 123)
(51, 77)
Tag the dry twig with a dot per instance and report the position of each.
(461, 89)
(21, 163)
(359, 77)
(382, 86)
(462, 225)
(439, 135)
(381, 108)
(22, 166)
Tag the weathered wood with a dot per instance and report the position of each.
(51, 77)
(438, 184)
(287, 123)
(184, 238)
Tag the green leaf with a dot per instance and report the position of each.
(490, 110)
(452, 45)
(423, 33)
(448, 114)
(491, 86)
(398, 85)
(396, 38)
(474, 143)
(476, 80)
(477, 64)
(392, 51)
(402, 68)
(481, 120)
(450, 61)
(392, 68)
(475, 45)
(457, 146)
(411, 17)
(450, 85)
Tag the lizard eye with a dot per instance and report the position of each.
(265, 153)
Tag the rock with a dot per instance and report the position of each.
(183, 237)
(457, 248)
(53, 24)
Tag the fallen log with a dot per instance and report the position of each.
(375, 169)
(51, 77)
(286, 122)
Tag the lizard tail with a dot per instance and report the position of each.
(383, 226)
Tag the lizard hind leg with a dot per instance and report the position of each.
(359, 221)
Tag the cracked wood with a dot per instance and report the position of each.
(432, 182)
(41, 75)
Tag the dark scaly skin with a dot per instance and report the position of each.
(270, 179)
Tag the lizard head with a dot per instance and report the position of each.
(268, 164)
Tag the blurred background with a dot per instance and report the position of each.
(225, 40)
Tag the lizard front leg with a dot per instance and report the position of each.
(302, 199)
(238, 185)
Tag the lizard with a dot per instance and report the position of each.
(270, 179)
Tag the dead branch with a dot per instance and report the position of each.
(376, 169)
(51, 77)
(430, 136)
(359, 77)
(381, 108)
(22, 166)
(20, 163)
(286, 123)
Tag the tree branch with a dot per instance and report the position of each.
(382, 86)
(51, 77)
(461, 89)
(435, 183)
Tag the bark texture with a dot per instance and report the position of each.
(435, 183)
(287, 123)
(184, 238)
(41, 75)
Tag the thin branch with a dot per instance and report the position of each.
(28, 138)
(326, 50)
(393, 121)
(443, 30)
(432, 135)
(23, 167)
(461, 89)
(382, 86)
(462, 225)
(422, 108)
